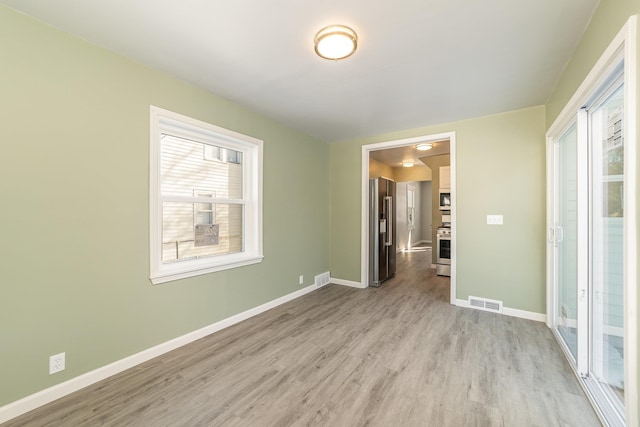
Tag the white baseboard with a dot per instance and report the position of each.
(529, 315)
(347, 283)
(29, 403)
(513, 312)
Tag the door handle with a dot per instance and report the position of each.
(389, 202)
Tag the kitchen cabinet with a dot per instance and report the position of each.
(445, 177)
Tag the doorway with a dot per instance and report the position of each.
(366, 152)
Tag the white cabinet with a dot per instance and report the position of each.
(445, 176)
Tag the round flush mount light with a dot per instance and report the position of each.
(335, 42)
(407, 164)
(424, 147)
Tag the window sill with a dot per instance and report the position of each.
(177, 274)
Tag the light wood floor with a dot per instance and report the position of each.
(399, 355)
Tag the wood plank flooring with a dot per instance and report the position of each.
(399, 355)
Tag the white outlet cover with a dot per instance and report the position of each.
(56, 363)
(495, 219)
(301, 279)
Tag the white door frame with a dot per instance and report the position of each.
(366, 150)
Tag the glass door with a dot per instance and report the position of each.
(587, 240)
(606, 142)
(565, 241)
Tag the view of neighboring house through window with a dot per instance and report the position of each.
(204, 213)
(207, 189)
(206, 229)
(211, 223)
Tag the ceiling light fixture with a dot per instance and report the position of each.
(335, 42)
(424, 147)
(407, 164)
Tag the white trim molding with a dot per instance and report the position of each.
(29, 403)
(631, 392)
(529, 315)
(349, 283)
(511, 312)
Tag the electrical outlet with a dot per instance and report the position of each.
(56, 363)
(301, 280)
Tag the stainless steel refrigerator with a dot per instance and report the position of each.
(382, 230)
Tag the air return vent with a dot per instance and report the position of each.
(322, 279)
(485, 304)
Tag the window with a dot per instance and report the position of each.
(206, 201)
(204, 213)
(217, 153)
(411, 209)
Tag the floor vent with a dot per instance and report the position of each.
(322, 279)
(485, 304)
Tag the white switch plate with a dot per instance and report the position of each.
(494, 219)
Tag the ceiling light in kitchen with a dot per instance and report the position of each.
(407, 164)
(424, 147)
(335, 42)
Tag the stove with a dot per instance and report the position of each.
(443, 260)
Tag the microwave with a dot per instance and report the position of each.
(445, 200)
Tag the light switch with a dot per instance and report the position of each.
(494, 219)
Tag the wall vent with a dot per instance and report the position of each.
(322, 279)
(485, 304)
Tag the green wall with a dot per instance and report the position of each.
(500, 170)
(607, 21)
(74, 184)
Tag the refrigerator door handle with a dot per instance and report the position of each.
(389, 205)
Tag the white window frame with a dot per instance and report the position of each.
(164, 121)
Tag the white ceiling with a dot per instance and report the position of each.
(419, 62)
(396, 156)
